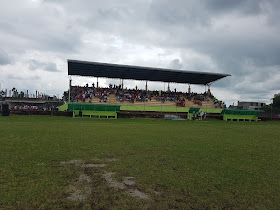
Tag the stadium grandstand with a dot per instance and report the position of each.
(137, 99)
(116, 94)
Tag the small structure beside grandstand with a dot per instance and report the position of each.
(250, 105)
(240, 115)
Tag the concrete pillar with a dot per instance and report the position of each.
(97, 83)
(189, 91)
(69, 95)
(209, 92)
(146, 86)
(168, 87)
(122, 83)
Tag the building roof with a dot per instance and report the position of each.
(107, 70)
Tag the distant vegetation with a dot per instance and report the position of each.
(275, 105)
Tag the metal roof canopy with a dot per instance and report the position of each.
(106, 70)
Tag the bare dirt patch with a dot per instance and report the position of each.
(129, 181)
(80, 163)
(112, 181)
(90, 165)
(72, 162)
(81, 189)
(137, 193)
(84, 178)
(111, 159)
(125, 185)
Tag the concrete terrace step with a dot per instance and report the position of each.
(111, 99)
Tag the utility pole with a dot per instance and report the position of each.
(271, 109)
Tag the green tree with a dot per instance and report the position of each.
(276, 101)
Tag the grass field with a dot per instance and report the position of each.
(59, 162)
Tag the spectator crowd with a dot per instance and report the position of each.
(82, 93)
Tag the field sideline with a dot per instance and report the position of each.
(62, 162)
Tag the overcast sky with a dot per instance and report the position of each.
(239, 37)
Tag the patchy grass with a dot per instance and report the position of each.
(45, 161)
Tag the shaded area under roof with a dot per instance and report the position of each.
(106, 70)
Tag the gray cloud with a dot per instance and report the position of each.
(5, 58)
(176, 64)
(179, 13)
(34, 65)
(236, 37)
(17, 77)
(244, 6)
(38, 26)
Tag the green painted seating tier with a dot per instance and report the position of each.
(93, 107)
(63, 107)
(147, 108)
(240, 115)
(92, 110)
(99, 114)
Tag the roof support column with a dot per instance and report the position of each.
(146, 85)
(122, 83)
(189, 90)
(168, 87)
(97, 83)
(69, 94)
(209, 92)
